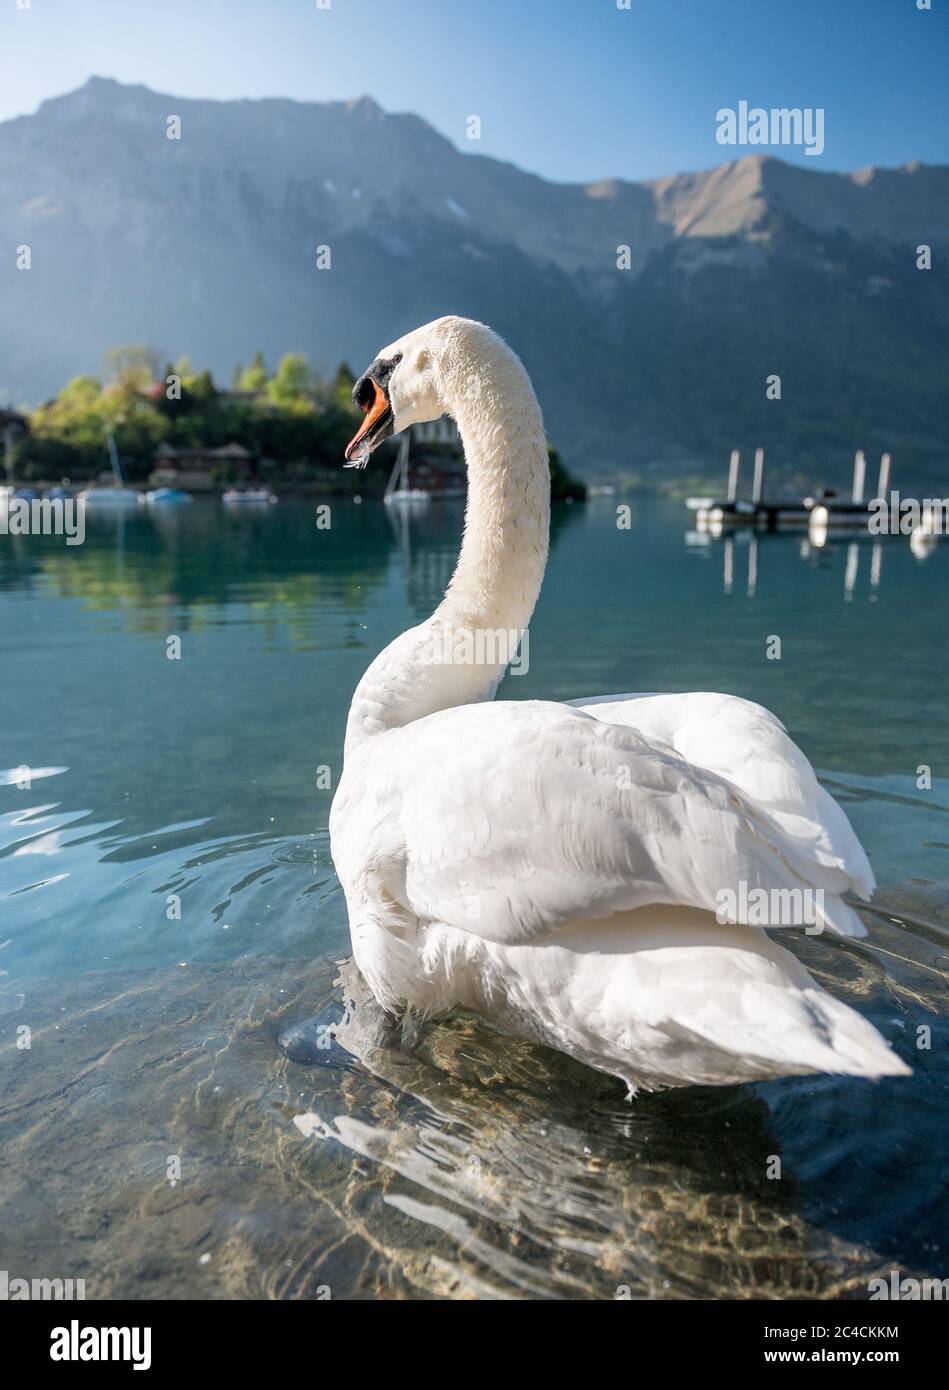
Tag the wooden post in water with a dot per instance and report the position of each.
(734, 464)
(859, 474)
(757, 485)
(883, 485)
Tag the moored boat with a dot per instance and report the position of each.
(167, 496)
(252, 494)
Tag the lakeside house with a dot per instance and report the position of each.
(12, 423)
(13, 420)
(202, 469)
(433, 459)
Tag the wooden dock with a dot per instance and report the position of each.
(825, 510)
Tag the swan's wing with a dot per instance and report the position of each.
(747, 746)
(509, 820)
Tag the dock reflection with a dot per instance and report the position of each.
(743, 556)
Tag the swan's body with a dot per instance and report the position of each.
(558, 867)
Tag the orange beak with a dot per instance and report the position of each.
(374, 413)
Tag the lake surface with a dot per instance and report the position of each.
(169, 906)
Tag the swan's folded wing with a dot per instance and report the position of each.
(518, 817)
(749, 748)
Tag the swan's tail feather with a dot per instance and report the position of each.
(858, 1049)
(841, 918)
(691, 1001)
(794, 1032)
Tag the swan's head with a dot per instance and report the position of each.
(406, 384)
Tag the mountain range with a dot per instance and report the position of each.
(208, 244)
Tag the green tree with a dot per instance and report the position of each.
(254, 377)
(563, 487)
(293, 381)
(80, 394)
(184, 369)
(343, 384)
(133, 368)
(201, 387)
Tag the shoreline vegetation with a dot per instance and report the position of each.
(290, 425)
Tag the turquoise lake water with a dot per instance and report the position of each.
(168, 904)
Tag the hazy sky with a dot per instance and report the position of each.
(572, 89)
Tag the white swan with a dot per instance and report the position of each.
(557, 867)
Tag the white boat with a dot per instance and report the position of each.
(167, 496)
(924, 537)
(397, 489)
(252, 494)
(413, 495)
(932, 522)
(113, 499)
(109, 498)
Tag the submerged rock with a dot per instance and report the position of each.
(312, 1043)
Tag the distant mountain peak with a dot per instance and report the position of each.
(364, 105)
(99, 93)
(108, 88)
(207, 245)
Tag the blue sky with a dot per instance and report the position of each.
(572, 89)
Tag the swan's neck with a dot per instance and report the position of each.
(507, 518)
(460, 654)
